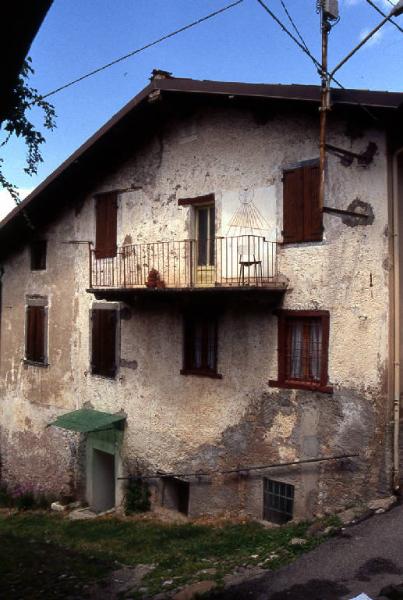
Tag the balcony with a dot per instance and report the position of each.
(245, 263)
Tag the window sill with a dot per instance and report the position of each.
(201, 373)
(301, 385)
(35, 363)
(103, 376)
(300, 242)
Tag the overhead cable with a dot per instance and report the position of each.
(294, 25)
(385, 14)
(138, 50)
(288, 32)
(314, 60)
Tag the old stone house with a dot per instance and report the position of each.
(176, 304)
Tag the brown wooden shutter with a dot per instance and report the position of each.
(35, 335)
(103, 360)
(313, 228)
(293, 206)
(106, 225)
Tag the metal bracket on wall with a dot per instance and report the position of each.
(347, 156)
(347, 213)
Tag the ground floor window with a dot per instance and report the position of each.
(200, 345)
(303, 342)
(104, 340)
(278, 501)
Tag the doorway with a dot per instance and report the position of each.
(104, 489)
(103, 481)
(205, 244)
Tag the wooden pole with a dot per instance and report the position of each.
(324, 108)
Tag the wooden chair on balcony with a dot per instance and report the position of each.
(250, 262)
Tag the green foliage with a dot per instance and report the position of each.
(25, 501)
(5, 499)
(137, 497)
(17, 123)
(23, 497)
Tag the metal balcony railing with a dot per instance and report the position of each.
(245, 260)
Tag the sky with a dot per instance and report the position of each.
(242, 44)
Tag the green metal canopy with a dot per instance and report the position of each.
(85, 420)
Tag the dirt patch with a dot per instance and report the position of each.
(46, 570)
(315, 589)
(376, 566)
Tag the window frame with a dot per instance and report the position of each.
(112, 308)
(191, 320)
(303, 169)
(282, 381)
(276, 514)
(39, 302)
(106, 224)
(42, 246)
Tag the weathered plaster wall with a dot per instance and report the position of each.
(187, 422)
(30, 395)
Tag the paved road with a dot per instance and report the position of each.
(367, 558)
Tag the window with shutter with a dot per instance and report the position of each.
(303, 345)
(106, 225)
(200, 345)
(302, 216)
(103, 343)
(35, 334)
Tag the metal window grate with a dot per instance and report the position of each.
(278, 501)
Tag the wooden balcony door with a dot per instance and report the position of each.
(205, 244)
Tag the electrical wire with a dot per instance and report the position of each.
(138, 50)
(384, 14)
(315, 61)
(294, 25)
(284, 28)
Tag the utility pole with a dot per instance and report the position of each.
(329, 11)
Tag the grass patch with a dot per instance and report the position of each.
(36, 549)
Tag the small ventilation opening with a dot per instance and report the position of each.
(278, 501)
(176, 495)
(38, 255)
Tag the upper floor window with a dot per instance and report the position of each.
(303, 342)
(205, 234)
(38, 255)
(106, 225)
(104, 344)
(36, 331)
(200, 345)
(302, 216)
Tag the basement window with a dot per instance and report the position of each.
(176, 494)
(38, 255)
(278, 501)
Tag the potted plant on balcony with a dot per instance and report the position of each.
(154, 280)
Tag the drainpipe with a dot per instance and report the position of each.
(396, 349)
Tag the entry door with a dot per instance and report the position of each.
(205, 244)
(103, 481)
